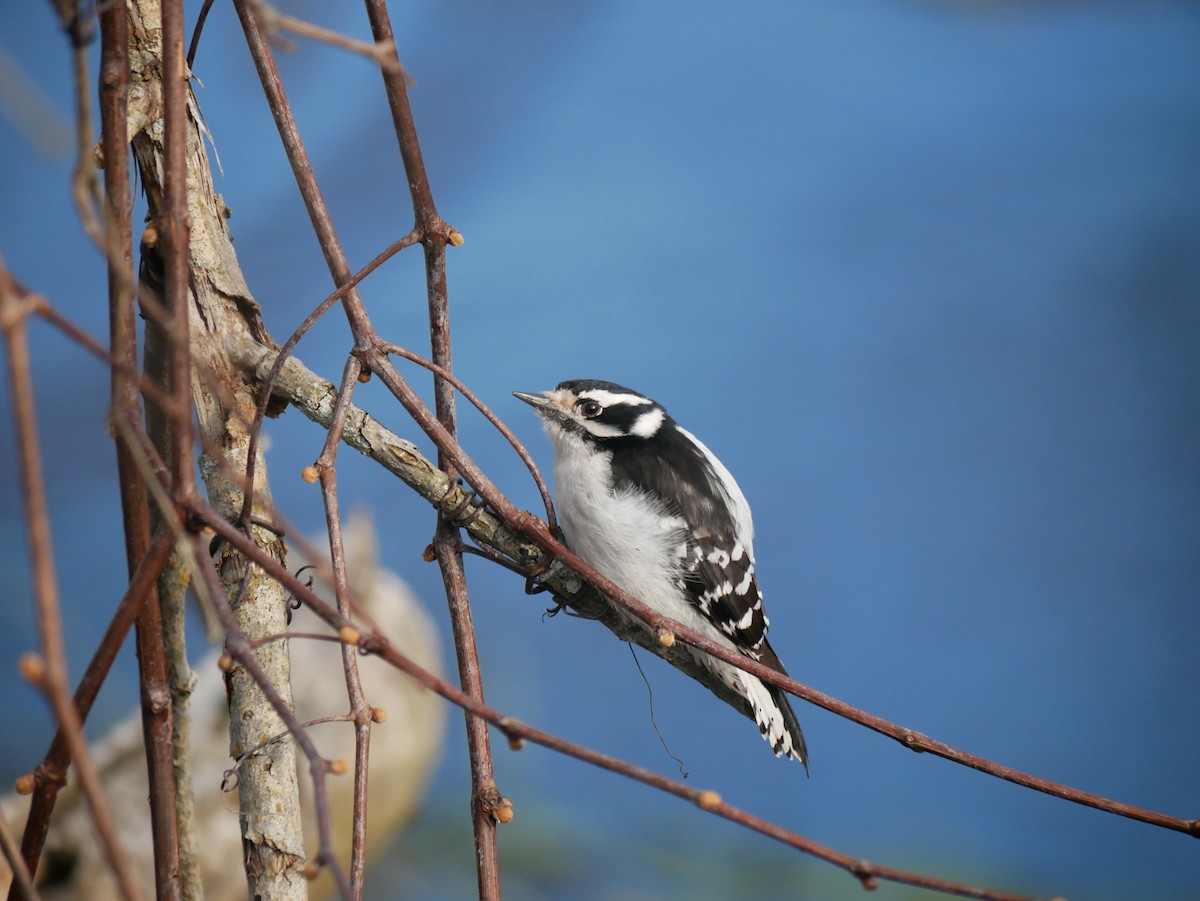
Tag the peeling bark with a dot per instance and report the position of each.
(220, 306)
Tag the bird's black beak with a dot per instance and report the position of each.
(545, 404)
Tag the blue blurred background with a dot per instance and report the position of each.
(926, 275)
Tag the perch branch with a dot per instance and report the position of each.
(517, 731)
(518, 536)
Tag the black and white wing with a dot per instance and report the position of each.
(716, 563)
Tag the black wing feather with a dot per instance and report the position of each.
(712, 576)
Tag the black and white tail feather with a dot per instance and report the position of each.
(643, 501)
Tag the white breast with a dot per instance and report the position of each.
(621, 534)
(629, 537)
(625, 535)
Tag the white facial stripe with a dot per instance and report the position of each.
(608, 398)
(648, 424)
(601, 429)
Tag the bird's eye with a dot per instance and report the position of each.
(590, 409)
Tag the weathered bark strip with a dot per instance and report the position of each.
(221, 306)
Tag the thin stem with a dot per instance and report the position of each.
(238, 647)
(273, 20)
(157, 716)
(50, 775)
(447, 542)
(174, 236)
(360, 709)
(485, 797)
(53, 680)
(264, 396)
(293, 144)
(84, 191)
(22, 882)
(194, 44)
(543, 489)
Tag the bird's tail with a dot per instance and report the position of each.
(778, 723)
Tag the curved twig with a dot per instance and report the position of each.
(512, 439)
(285, 352)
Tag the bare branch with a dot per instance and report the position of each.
(50, 775)
(22, 883)
(517, 732)
(360, 709)
(197, 268)
(491, 417)
(49, 670)
(383, 55)
(513, 532)
(306, 179)
(84, 192)
(488, 806)
(157, 710)
(486, 800)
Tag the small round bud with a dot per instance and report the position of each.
(708, 800)
(150, 235)
(32, 667)
(364, 376)
(378, 715)
(310, 474)
(339, 766)
(666, 638)
(24, 785)
(311, 871)
(429, 554)
(455, 238)
(503, 811)
(516, 742)
(349, 635)
(224, 663)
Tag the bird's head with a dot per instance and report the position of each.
(596, 411)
